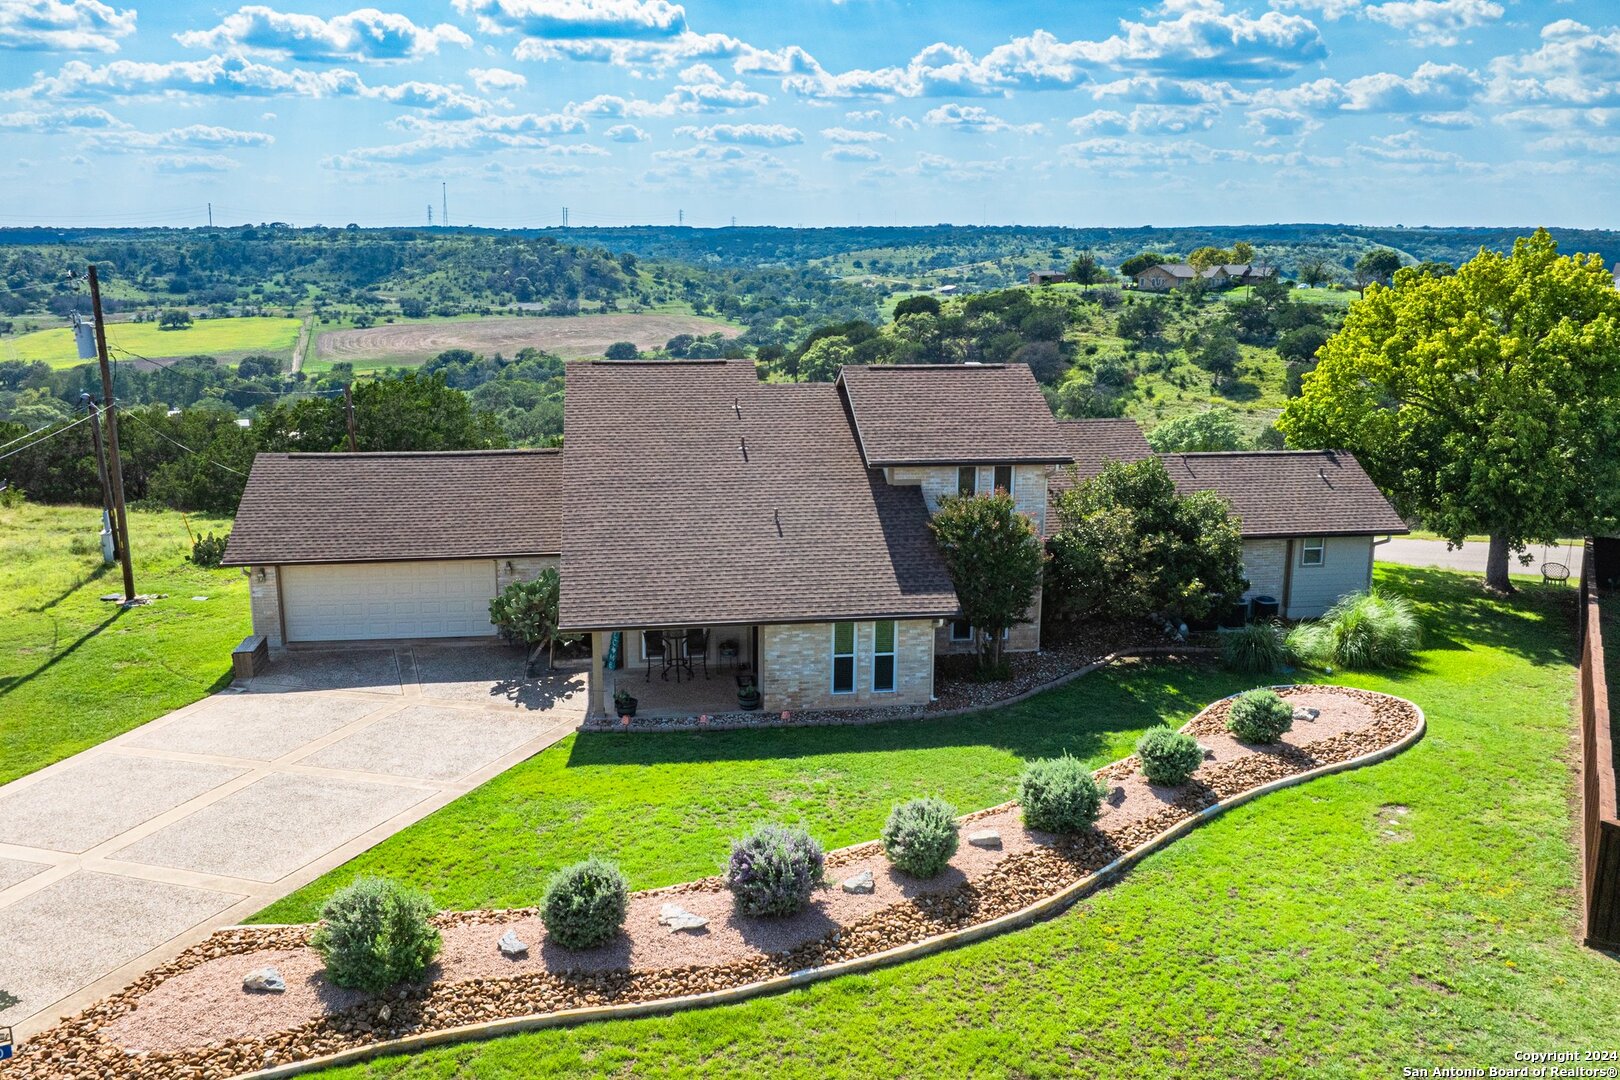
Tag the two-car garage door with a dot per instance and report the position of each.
(358, 601)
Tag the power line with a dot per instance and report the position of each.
(47, 438)
(197, 453)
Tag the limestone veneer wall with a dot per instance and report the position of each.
(264, 602)
(795, 667)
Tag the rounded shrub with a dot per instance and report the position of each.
(585, 904)
(774, 870)
(1259, 716)
(1059, 795)
(1168, 757)
(921, 836)
(1256, 649)
(375, 933)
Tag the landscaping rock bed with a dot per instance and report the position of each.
(192, 1017)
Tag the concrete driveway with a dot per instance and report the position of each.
(120, 857)
(1410, 552)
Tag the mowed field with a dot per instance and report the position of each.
(571, 335)
(205, 337)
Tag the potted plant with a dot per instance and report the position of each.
(623, 703)
(747, 694)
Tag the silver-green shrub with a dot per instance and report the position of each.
(921, 836)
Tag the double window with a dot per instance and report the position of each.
(1313, 551)
(976, 480)
(885, 636)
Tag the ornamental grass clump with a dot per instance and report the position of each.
(585, 904)
(1256, 649)
(921, 836)
(375, 933)
(1361, 632)
(1059, 795)
(1168, 757)
(774, 870)
(1259, 716)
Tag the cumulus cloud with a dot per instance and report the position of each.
(864, 116)
(203, 136)
(850, 136)
(974, 118)
(852, 153)
(1272, 124)
(366, 34)
(720, 166)
(1435, 22)
(956, 169)
(1574, 65)
(1432, 88)
(89, 118)
(577, 18)
(184, 164)
(1154, 90)
(745, 134)
(64, 25)
(496, 80)
(683, 99)
(627, 133)
(1148, 120)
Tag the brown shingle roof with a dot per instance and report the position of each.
(1290, 492)
(950, 414)
(320, 508)
(1093, 443)
(698, 495)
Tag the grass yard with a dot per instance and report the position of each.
(204, 337)
(74, 670)
(1419, 912)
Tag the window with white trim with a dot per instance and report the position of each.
(1313, 551)
(843, 658)
(967, 480)
(961, 630)
(1004, 479)
(883, 639)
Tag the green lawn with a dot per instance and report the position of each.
(204, 337)
(74, 670)
(1316, 930)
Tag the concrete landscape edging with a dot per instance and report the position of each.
(1036, 912)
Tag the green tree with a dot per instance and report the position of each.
(1218, 351)
(995, 561)
(1205, 257)
(1242, 252)
(1378, 265)
(1138, 263)
(921, 304)
(621, 350)
(1085, 270)
(1129, 545)
(1143, 324)
(174, 319)
(1301, 345)
(1484, 402)
(1213, 429)
(1317, 272)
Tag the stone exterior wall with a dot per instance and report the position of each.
(524, 568)
(264, 601)
(796, 667)
(1265, 564)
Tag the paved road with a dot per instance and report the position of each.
(118, 858)
(1469, 556)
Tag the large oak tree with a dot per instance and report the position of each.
(1486, 402)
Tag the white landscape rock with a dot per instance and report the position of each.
(678, 918)
(512, 946)
(265, 980)
(985, 838)
(862, 882)
(1305, 714)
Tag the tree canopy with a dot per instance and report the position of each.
(995, 561)
(1213, 429)
(1484, 402)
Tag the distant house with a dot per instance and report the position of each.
(1617, 275)
(1168, 276)
(1047, 277)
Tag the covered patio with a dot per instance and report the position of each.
(676, 671)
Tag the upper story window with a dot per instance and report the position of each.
(1004, 479)
(967, 480)
(1313, 551)
(985, 479)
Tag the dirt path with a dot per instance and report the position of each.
(305, 333)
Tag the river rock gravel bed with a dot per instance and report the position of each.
(191, 1019)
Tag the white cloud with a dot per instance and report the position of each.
(720, 166)
(974, 118)
(496, 80)
(848, 136)
(745, 134)
(1432, 88)
(64, 25)
(1435, 22)
(658, 55)
(627, 133)
(205, 136)
(1460, 120)
(1279, 123)
(1154, 90)
(682, 99)
(181, 164)
(852, 153)
(1148, 120)
(864, 116)
(565, 19)
(1570, 145)
(948, 168)
(86, 119)
(1575, 65)
(514, 124)
(366, 34)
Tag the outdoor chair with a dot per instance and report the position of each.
(696, 647)
(1554, 571)
(654, 648)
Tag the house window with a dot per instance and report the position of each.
(1004, 478)
(967, 480)
(1312, 551)
(843, 658)
(883, 634)
(961, 630)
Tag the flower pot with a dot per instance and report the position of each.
(625, 706)
(748, 698)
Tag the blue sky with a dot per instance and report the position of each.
(813, 112)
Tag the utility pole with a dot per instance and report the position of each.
(109, 550)
(680, 217)
(115, 465)
(210, 215)
(430, 215)
(348, 416)
(565, 217)
(444, 196)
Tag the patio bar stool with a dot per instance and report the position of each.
(654, 647)
(696, 647)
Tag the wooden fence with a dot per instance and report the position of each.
(1600, 824)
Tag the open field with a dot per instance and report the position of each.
(577, 335)
(1419, 912)
(220, 338)
(75, 670)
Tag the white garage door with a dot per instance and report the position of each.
(358, 601)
